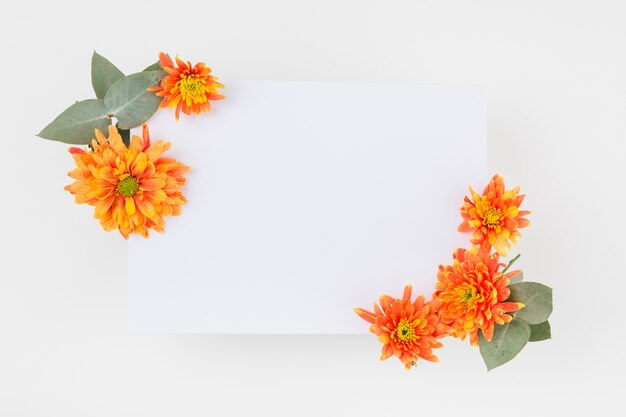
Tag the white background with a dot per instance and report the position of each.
(554, 72)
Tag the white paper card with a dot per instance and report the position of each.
(305, 200)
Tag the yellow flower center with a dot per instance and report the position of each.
(128, 186)
(493, 218)
(467, 295)
(405, 332)
(192, 88)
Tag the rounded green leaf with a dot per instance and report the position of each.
(536, 297)
(154, 67)
(516, 278)
(77, 123)
(508, 340)
(103, 74)
(125, 134)
(130, 102)
(539, 332)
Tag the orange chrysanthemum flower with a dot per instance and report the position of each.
(407, 330)
(473, 294)
(494, 217)
(186, 87)
(132, 187)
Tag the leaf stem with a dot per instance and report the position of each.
(511, 263)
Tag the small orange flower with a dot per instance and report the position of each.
(131, 188)
(186, 87)
(407, 330)
(473, 294)
(494, 217)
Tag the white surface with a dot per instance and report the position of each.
(305, 201)
(554, 73)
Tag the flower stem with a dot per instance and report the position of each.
(511, 263)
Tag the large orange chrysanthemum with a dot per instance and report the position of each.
(473, 294)
(131, 188)
(494, 217)
(186, 87)
(407, 330)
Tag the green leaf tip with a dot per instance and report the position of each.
(103, 74)
(516, 278)
(125, 134)
(540, 332)
(76, 125)
(154, 67)
(508, 340)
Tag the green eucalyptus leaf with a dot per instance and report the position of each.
(516, 278)
(539, 332)
(154, 67)
(130, 102)
(77, 123)
(125, 134)
(103, 74)
(508, 340)
(536, 297)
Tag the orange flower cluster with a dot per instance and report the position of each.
(471, 293)
(132, 188)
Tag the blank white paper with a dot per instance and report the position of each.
(305, 200)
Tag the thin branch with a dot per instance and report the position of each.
(511, 263)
